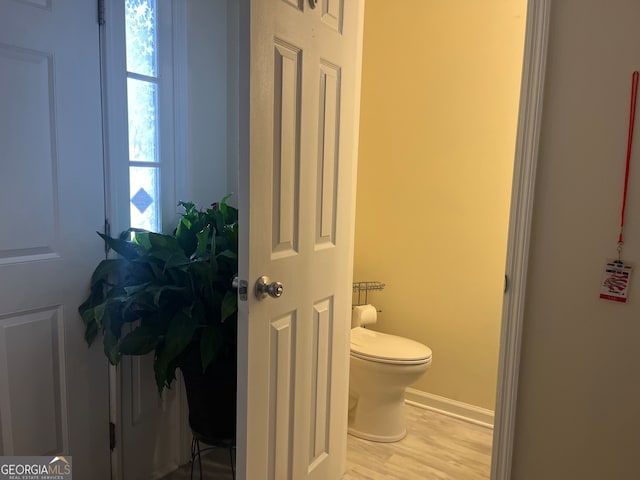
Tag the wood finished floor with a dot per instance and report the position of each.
(437, 447)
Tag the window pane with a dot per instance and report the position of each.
(142, 100)
(141, 37)
(145, 198)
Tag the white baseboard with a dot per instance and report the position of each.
(453, 408)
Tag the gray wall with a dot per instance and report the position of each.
(578, 411)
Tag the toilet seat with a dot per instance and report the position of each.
(385, 348)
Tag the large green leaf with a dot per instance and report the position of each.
(213, 262)
(98, 313)
(110, 345)
(158, 290)
(106, 268)
(201, 276)
(178, 277)
(228, 254)
(229, 213)
(123, 247)
(132, 290)
(229, 305)
(161, 241)
(176, 259)
(211, 340)
(140, 341)
(190, 224)
(127, 234)
(138, 297)
(92, 313)
(141, 238)
(156, 269)
(203, 241)
(90, 333)
(167, 249)
(182, 328)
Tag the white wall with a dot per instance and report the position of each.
(578, 413)
(233, 98)
(207, 85)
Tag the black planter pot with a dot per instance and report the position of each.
(211, 396)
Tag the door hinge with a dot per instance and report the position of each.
(100, 12)
(112, 435)
(107, 232)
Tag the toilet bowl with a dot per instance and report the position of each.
(382, 367)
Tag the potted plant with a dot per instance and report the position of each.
(172, 295)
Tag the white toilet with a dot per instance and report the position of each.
(382, 367)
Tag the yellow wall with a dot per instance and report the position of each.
(440, 96)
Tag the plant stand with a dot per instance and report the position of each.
(211, 396)
(196, 452)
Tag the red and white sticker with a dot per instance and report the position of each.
(615, 281)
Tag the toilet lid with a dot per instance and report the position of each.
(385, 348)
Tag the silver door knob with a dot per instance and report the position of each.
(264, 287)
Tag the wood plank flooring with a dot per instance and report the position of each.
(437, 447)
(215, 466)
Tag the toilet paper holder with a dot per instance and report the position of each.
(362, 290)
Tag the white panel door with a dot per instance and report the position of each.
(297, 191)
(53, 388)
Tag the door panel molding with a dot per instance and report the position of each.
(321, 366)
(40, 4)
(332, 14)
(33, 402)
(282, 373)
(328, 155)
(297, 4)
(286, 149)
(27, 136)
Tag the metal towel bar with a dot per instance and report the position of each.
(363, 288)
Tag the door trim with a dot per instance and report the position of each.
(524, 175)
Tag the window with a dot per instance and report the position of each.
(143, 55)
(142, 112)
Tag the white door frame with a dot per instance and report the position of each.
(524, 175)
